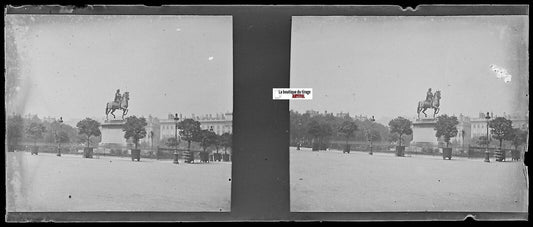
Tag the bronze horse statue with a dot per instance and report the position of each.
(122, 105)
(434, 104)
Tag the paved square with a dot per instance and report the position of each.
(330, 181)
(71, 183)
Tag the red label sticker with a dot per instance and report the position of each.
(298, 96)
(292, 93)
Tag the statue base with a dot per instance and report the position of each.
(424, 131)
(112, 133)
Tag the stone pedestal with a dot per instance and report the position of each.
(424, 131)
(112, 133)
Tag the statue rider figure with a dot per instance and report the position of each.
(429, 97)
(118, 97)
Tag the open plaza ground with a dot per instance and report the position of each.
(330, 181)
(49, 183)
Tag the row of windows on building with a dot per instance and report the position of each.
(479, 126)
(207, 127)
(169, 130)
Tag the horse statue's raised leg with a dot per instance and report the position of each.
(424, 112)
(124, 112)
(112, 113)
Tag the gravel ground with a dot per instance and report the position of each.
(71, 183)
(330, 181)
(320, 182)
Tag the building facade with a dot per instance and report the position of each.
(470, 128)
(152, 131)
(219, 123)
(167, 127)
(479, 124)
(464, 131)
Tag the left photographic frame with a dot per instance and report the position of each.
(118, 113)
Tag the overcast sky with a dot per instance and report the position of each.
(383, 66)
(71, 66)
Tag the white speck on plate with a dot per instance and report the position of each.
(211, 58)
(501, 73)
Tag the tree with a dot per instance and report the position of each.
(300, 130)
(320, 132)
(297, 125)
(172, 142)
(67, 133)
(57, 132)
(482, 141)
(206, 139)
(62, 137)
(314, 129)
(189, 131)
(394, 137)
(326, 130)
(501, 129)
(446, 127)
(15, 128)
(134, 128)
(226, 141)
(518, 137)
(217, 141)
(348, 129)
(88, 127)
(400, 126)
(35, 131)
(82, 138)
(373, 135)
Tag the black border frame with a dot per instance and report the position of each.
(261, 61)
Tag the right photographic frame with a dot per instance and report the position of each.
(409, 114)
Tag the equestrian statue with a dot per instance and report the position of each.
(120, 103)
(432, 101)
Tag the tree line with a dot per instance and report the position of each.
(36, 131)
(191, 132)
(501, 131)
(319, 130)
